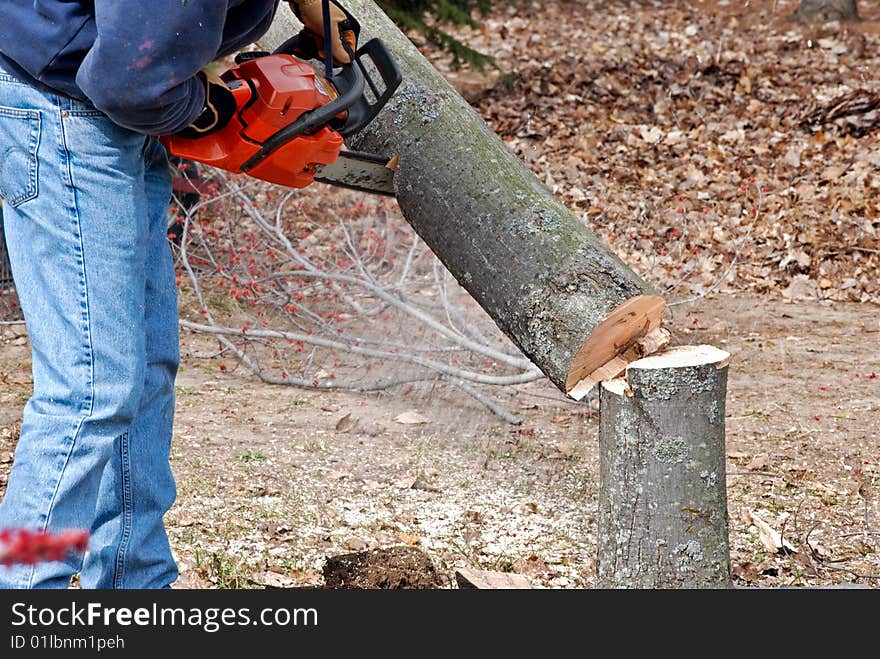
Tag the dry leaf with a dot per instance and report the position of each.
(271, 580)
(346, 423)
(356, 544)
(746, 571)
(411, 418)
(409, 540)
(770, 538)
(801, 288)
(759, 462)
(421, 484)
(405, 483)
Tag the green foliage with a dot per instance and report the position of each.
(412, 14)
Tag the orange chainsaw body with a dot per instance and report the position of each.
(271, 93)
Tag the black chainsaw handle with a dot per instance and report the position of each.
(363, 111)
(354, 76)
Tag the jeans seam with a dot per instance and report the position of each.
(127, 512)
(86, 311)
(86, 413)
(65, 154)
(48, 515)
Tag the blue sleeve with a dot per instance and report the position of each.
(141, 69)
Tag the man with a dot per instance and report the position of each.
(84, 84)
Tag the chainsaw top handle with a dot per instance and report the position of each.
(352, 80)
(352, 102)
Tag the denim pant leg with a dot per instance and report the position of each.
(129, 544)
(77, 221)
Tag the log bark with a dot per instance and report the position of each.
(545, 280)
(825, 11)
(662, 486)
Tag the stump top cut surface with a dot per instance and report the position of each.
(682, 357)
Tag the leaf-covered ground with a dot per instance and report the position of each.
(696, 135)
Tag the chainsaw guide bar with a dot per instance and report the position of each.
(360, 171)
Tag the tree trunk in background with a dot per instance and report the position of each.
(824, 11)
(525, 258)
(662, 483)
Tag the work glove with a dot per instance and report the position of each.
(219, 108)
(344, 28)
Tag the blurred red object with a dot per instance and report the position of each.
(22, 546)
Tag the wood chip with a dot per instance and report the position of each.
(411, 418)
(486, 580)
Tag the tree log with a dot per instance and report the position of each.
(662, 485)
(562, 296)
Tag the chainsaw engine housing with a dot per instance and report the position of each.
(271, 93)
(290, 120)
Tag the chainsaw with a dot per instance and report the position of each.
(291, 121)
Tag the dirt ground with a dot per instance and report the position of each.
(269, 487)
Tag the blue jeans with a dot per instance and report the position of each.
(84, 206)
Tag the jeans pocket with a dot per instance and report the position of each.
(19, 141)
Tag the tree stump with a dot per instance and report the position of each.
(662, 489)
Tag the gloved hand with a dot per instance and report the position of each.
(344, 28)
(220, 107)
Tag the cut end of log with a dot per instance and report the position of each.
(631, 331)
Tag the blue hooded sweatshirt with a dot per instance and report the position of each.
(135, 60)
